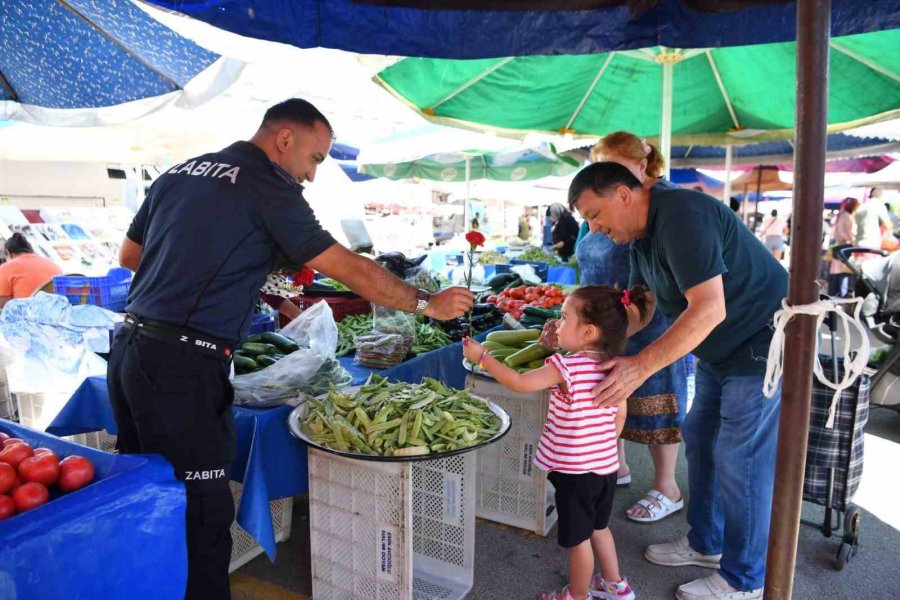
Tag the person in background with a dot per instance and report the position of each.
(577, 448)
(565, 230)
(871, 221)
(192, 299)
(524, 232)
(656, 410)
(24, 272)
(840, 277)
(772, 234)
(476, 223)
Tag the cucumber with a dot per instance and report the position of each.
(543, 313)
(526, 355)
(528, 320)
(284, 344)
(265, 360)
(255, 338)
(255, 349)
(514, 338)
(242, 364)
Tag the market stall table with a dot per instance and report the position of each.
(270, 463)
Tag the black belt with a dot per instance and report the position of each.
(196, 342)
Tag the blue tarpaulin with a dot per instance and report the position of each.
(451, 29)
(122, 536)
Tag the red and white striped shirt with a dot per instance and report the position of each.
(578, 437)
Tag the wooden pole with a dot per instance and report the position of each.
(813, 32)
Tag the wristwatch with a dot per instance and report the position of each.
(422, 299)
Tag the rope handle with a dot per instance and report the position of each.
(853, 367)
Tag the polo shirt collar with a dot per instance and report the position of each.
(652, 213)
(257, 154)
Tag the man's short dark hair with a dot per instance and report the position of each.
(296, 110)
(600, 177)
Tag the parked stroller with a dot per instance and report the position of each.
(878, 283)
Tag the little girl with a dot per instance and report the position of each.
(578, 444)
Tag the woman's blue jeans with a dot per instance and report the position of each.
(730, 437)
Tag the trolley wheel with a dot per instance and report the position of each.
(845, 553)
(852, 519)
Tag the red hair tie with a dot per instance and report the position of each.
(626, 297)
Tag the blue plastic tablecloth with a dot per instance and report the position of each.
(122, 536)
(270, 463)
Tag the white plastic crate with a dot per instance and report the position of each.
(244, 548)
(38, 409)
(511, 490)
(391, 531)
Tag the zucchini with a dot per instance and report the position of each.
(265, 360)
(529, 320)
(284, 344)
(537, 311)
(535, 364)
(503, 353)
(526, 355)
(242, 364)
(494, 345)
(256, 349)
(514, 338)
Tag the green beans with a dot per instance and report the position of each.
(400, 419)
(428, 337)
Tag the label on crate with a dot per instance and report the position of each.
(527, 458)
(452, 486)
(386, 542)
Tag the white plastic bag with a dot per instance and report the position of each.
(316, 333)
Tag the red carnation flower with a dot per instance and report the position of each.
(304, 276)
(475, 239)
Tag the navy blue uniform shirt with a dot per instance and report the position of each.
(211, 229)
(691, 238)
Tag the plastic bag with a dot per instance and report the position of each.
(316, 333)
(393, 334)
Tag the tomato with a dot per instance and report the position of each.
(9, 441)
(16, 453)
(30, 495)
(492, 299)
(8, 478)
(40, 468)
(39, 451)
(75, 472)
(7, 507)
(3, 437)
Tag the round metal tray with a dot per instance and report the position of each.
(476, 370)
(301, 411)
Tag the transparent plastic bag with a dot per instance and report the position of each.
(316, 333)
(393, 334)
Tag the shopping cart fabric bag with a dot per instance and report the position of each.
(840, 448)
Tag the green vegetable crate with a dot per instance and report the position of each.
(511, 489)
(398, 530)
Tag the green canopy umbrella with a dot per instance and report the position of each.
(713, 96)
(460, 161)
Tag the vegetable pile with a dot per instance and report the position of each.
(400, 419)
(515, 301)
(262, 350)
(28, 474)
(492, 257)
(538, 255)
(518, 349)
(430, 334)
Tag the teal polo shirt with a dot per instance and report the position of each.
(692, 237)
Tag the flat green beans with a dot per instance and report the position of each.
(400, 419)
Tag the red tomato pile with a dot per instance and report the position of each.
(513, 300)
(27, 473)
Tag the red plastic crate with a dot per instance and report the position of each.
(341, 306)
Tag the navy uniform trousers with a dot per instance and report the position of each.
(170, 400)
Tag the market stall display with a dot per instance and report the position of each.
(82, 544)
(400, 526)
(384, 420)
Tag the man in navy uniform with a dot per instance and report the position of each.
(202, 243)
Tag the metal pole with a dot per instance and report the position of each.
(665, 136)
(728, 159)
(759, 172)
(813, 27)
(468, 197)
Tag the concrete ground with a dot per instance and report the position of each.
(511, 563)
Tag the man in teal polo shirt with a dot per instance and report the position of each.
(719, 288)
